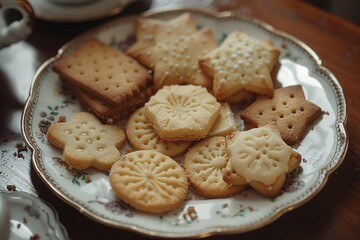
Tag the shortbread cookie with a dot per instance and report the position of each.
(288, 109)
(182, 112)
(143, 136)
(109, 113)
(231, 177)
(86, 142)
(204, 166)
(262, 158)
(176, 62)
(103, 71)
(241, 97)
(225, 123)
(241, 63)
(148, 31)
(149, 181)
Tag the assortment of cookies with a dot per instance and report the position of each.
(176, 87)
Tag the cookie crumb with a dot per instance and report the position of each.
(11, 188)
(87, 178)
(24, 220)
(35, 237)
(62, 118)
(18, 225)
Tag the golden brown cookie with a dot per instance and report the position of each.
(143, 136)
(86, 142)
(148, 31)
(182, 112)
(149, 181)
(240, 63)
(176, 62)
(204, 166)
(287, 109)
(103, 71)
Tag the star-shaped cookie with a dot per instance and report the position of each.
(148, 31)
(176, 62)
(288, 109)
(241, 63)
(86, 142)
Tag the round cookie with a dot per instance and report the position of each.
(143, 136)
(182, 112)
(149, 181)
(204, 166)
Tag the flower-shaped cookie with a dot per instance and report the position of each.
(86, 142)
(182, 112)
(262, 158)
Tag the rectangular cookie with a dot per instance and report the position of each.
(103, 71)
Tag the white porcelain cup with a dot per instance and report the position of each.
(18, 29)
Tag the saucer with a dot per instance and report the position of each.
(56, 12)
(31, 217)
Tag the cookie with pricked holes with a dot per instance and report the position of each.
(86, 142)
(241, 63)
(287, 109)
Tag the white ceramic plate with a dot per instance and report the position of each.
(322, 150)
(51, 10)
(30, 216)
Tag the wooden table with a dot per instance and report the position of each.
(333, 214)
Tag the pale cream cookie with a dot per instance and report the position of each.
(241, 63)
(182, 112)
(86, 142)
(143, 136)
(262, 158)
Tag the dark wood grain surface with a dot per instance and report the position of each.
(333, 214)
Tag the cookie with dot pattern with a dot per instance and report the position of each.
(103, 71)
(148, 31)
(176, 61)
(241, 63)
(86, 142)
(287, 109)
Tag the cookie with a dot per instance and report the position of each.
(182, 112)
(262, 158)
(110, 113)
(86, 142)
(103, 71)
(241, 63)
(225, 123)
(176, 62)
(143, 136)
(288, 109)
(148, 31)
(241, 97)
(149, 181)
(204, 165)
